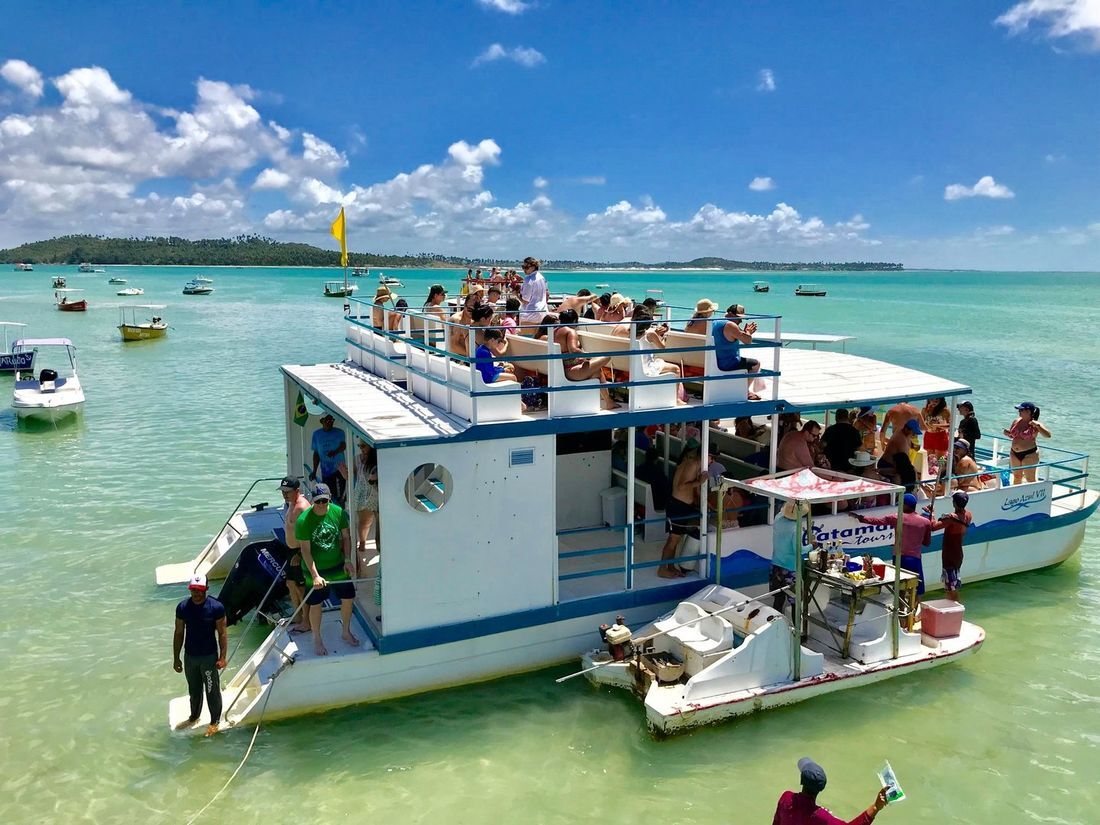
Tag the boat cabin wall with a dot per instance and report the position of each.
(468, 530)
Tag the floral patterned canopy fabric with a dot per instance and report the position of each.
(814, 486)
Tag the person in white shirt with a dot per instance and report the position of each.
(533, 292)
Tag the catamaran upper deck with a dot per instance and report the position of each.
(404, 385)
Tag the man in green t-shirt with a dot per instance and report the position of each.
(325, 538)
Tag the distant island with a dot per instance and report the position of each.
(253, 250)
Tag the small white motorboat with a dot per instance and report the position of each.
(129, 291)
(721, 654)
(85, 267)
(388, 280)
(55, 392)
(116, 280)
(197, 287)
(202, 279)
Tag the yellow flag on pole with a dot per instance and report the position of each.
(339, 231)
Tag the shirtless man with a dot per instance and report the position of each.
(896, 418)
(296, 504)
(682, 515)
(458, 336)
(900, 442)
(579, 369)
(578, 303)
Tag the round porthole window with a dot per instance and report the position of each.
(428, 488)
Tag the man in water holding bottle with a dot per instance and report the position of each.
(801, 808)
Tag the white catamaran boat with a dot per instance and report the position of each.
(56, 392)
(512, 533)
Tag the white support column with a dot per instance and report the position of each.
(631, 462)
(704, 492)
(954, 422)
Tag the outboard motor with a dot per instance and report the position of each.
(47, 375)
(257, 566)
(617, 638)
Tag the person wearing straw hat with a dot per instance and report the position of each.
(381, 296)
(788, 545)
(704, 309)
(801, 808)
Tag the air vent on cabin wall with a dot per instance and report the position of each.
(520, 458)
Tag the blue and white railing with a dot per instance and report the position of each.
(412, 347)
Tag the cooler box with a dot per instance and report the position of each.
(941, 618)
(613, 505)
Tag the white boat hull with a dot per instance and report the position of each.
(48, 413)
(348, 677)
(668, 712)
(220, 554)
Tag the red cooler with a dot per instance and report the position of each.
(941, 618)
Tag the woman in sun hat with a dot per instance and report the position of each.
(704, 309)
(787, 547)
(1024, 431)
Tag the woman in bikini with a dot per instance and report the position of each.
(1024, 454)
(580, 368)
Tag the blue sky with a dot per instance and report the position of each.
(938, 134)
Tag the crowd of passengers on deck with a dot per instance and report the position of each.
(498, 306)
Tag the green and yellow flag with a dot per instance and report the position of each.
(301, 414)
(339, 231)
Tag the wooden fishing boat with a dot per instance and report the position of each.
(132, 329)
(69, 300)
(338, 289)
(761, 286)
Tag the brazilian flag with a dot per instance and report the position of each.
(301, 415)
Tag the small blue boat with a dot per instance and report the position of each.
(14, 361)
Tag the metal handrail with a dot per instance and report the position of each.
(233, 513)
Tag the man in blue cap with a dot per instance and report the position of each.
(802, 808)
(916, 533)
(901, 441)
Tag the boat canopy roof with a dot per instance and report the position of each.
(68, 289)
(378, 408)
(815, 486)
(820, 380)
(43, 342)
(12, 324)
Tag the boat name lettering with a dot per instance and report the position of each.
(856, 535)
(1023, 501)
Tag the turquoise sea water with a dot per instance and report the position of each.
(176, 429)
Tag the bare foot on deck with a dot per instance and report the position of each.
(349, 637)
(186, 723)
(299, 628)
(669, 572)
(319, 648)
(211, 729)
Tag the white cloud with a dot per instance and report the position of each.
(765, 81)
(539, 182)
(1054, 157)
(24, 76)
(986, 187)
(1076, 19)
(506, 6)
(522, 55)
(271, 179)
(761, 184)
(592, 180)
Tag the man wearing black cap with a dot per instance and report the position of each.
(296, 504)
(969, 430)
(802, 808)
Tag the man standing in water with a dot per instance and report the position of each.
(802, 808)
(199, 618)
